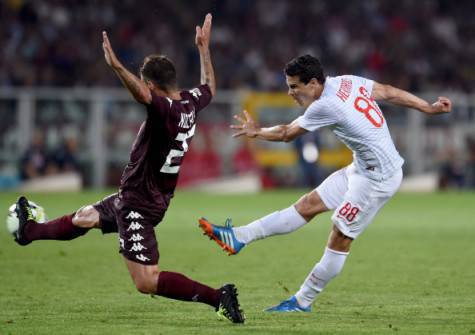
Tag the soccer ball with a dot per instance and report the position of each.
(12, 218)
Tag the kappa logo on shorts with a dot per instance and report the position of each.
(137, 247)
(134, 215)
(142, 258)
(135, 226)
(122, 243)
(136, 238)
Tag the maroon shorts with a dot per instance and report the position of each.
(137, 241)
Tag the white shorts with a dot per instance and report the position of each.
(355, 198)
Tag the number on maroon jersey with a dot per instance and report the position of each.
(180, 137)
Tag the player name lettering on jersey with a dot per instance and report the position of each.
(344, 91)
(187, 120)
(135, 226)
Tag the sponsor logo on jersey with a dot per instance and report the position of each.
(196, 93)
(142, 258)
(136, 238)
(134, 215)
(137, 247)
(135, 226)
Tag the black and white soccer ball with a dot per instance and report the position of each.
(12, 218)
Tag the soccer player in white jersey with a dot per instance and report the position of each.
(355, 193)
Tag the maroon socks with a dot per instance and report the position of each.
(176, 286)
(59, 229)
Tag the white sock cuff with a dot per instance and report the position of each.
(344, 253)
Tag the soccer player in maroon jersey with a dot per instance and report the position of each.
(148, 181)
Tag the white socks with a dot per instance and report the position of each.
(329, 266)
(280, 222)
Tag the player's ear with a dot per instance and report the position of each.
(313, 82)
(150, 85)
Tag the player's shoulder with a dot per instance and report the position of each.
(197, 92)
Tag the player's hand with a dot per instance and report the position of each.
(203, 34)
(109, 54)
(247, 126)
(442, 105)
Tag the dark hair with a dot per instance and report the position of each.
(305, 67)
(160, 70)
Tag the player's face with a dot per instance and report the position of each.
(303, 94)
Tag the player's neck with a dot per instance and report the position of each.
(173, 94)
(319, 91)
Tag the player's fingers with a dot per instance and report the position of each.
(239, 118)
(208, 19)
(207, 23)
(236, 126)
(247, 115)
(239, 133)
(198, 34)
(105, 37)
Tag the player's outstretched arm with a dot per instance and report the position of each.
(281, 133)
(203, 35)
(137, 87)
(403, 98)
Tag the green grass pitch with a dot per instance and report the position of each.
(411, 272)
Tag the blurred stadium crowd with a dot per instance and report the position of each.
(58, 43)
(421, 46)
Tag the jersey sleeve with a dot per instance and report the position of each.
(319, 114)
(201, 96)
(159, 106)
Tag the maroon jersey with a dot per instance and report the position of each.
(150, 177)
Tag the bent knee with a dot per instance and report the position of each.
(86, 217)
(146, 285)
(310, 205)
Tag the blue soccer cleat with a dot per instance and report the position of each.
(289, 305)
(223, 235)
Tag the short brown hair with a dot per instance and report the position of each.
(305, 67)
(160, 70)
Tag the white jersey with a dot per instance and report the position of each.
(346, 106)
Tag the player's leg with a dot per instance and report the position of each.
(233, 239)
(284, 221)
(139, 247)
(329, 266)
(360, 204)
(331, 192)
(66, 227)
